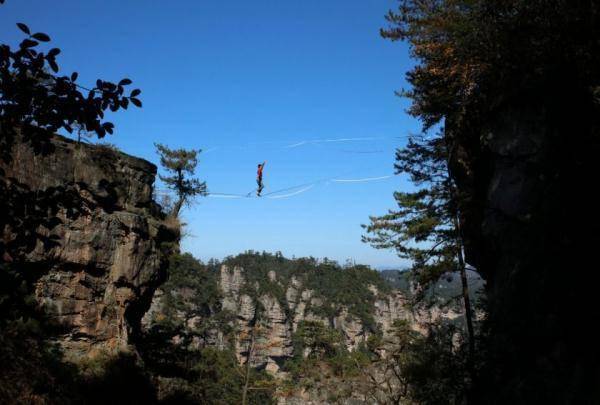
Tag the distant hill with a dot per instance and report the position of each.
(447, 287)
(398, 279)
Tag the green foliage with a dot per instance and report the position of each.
(256, 274)
(525, 71)
(191, 287)
(336, 286)
(214, 377)
(435, 368)
(200, 375)
(313, 339)
(320, 350)
(472, 53)
(417, 368)
(424, 227)
(346, 287)
(175, 349)
(398, 279)
(181, 163)
(191, 292)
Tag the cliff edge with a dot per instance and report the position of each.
(84, 229)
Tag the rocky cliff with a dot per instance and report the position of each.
(527, 213)
(264, 323)
(86, 232)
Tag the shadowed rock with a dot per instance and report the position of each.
(84, 227)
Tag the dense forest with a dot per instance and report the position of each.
(98, 304)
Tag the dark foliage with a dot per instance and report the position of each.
(34, 97)
(423, 228)
(516, 84)
(35, 103)
(33, 368)
(320, 353)
(176, 348)
(33, 216)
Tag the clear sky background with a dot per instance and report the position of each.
(246, 81)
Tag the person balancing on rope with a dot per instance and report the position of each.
(259, 181)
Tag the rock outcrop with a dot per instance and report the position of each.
(527, 213)
(264, 323)
(90, 237)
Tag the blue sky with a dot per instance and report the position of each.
(245, 81)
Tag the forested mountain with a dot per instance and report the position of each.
(297, 323)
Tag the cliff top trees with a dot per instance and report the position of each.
(181, 163)
(471, 54)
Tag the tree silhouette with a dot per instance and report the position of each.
(516, 84)
(181, 163)
(34, 98)
(425, 227)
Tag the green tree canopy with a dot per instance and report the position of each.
(422, 229)
(182, 164)
(425, 227)
(472, 53)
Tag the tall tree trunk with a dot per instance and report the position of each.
(177, 207)
(180, 194)
(248, 367)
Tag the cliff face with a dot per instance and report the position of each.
(88, 235)
(279, 320)
(527, 177)
(265, 323)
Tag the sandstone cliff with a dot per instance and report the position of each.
(85, 230)
(265, 323)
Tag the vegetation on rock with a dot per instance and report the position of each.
(182, 164)
(335, 286)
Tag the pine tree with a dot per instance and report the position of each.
(181, 163)
(425, 227)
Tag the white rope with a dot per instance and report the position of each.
(292, 194)
(225, 196)
(295, 145)
(361, 180)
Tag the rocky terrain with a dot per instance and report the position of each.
(270, 322)
(90, 236)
